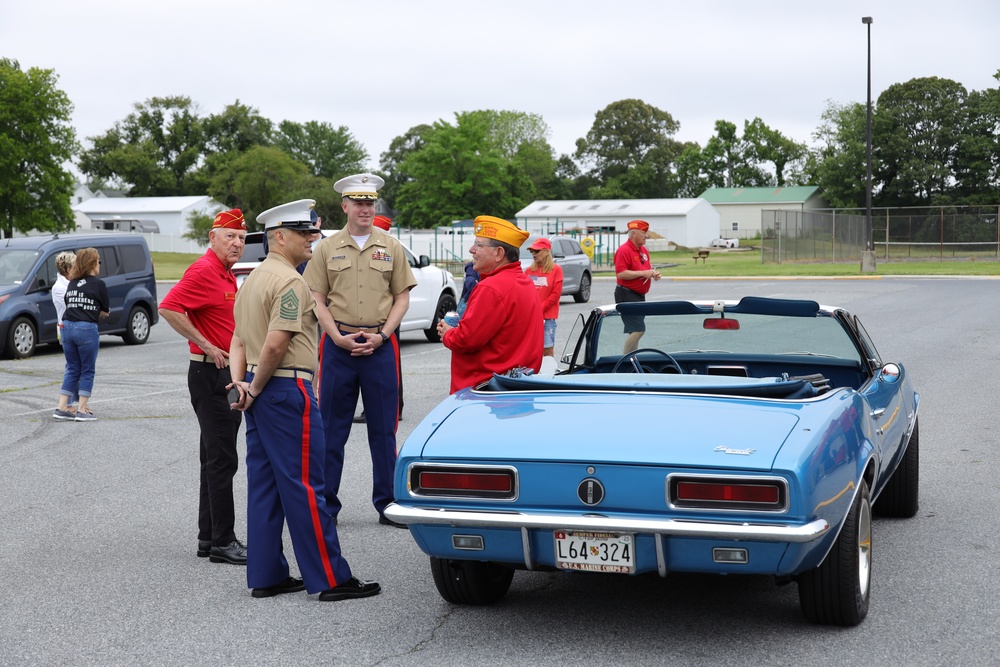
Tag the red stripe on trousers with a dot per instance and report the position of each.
(310, 492)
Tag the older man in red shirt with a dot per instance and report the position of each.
(200, 308)
(634, 274)
(502, 325)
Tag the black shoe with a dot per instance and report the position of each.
(204, 548)
(352, 588)
(289, 585)
(386, 521)
(234, 553)
(360, 419)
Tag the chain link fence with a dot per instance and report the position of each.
(934, 233)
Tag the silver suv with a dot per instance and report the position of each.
(568, 254)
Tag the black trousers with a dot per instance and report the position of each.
(219, 459)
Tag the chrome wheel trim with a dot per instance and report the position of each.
(864, 547)
(24, 339)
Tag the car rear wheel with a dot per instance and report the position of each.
(445, 303)
(899, 497)
(583, 294)
(22, 337)
(838, 591)
(469, 581)
(137, 327)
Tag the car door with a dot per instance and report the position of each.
(114, 279)
(569, 258)
(883, 394)
(423, 297)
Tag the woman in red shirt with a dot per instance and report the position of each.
(548, 279)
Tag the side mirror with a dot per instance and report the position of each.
(890, 374)
(424, 261)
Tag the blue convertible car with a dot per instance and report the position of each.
(749, 437)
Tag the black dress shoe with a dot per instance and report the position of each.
(360, 419)
(386, 521)
(234, 553)
(289, 585)
(204, 548)
(352, 588)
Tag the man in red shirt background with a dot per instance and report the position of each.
(634, 274)
(200, 308)
(502, 325)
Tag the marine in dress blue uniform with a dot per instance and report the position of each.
(273, 360)
(361, 281)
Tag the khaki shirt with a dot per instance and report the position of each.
(274, 297)
(359, 284)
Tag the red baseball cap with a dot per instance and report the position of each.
(541, 244)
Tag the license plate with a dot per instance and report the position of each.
(595, 552)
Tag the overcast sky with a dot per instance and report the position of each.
(380, 68)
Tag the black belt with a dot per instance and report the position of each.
(285, 372)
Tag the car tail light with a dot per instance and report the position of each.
(727, 493)
(498, 483)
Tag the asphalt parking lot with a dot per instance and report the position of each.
(98, 528)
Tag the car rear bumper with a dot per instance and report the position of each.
(793, 533)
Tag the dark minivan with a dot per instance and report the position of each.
(28, 272)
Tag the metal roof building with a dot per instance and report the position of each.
(685, 222)
(170, 213)
(740, 208)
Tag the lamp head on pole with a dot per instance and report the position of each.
(866, 20)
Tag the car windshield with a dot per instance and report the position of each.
(15, 265)
(757, 334)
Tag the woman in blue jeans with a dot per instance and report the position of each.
(86, 302)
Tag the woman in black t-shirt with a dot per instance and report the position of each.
(86, 302)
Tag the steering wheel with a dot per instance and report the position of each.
(632, 357)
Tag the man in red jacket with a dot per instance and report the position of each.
(502, 325)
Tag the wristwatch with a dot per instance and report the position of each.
(385, 339)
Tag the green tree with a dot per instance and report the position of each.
(977, 159)
(489, 162)
(237, 129)
(764, 145)
(258, 179)
(36, 140)
(153, 152)
(838, 163)
(390, 162)
(328, 151)
(625, 135)
(915, 134)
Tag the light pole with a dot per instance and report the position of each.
(868, 256)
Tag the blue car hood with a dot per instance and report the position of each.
(638, 429)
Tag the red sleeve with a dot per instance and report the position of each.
(482, 320)
(623, 258)
(189, 293)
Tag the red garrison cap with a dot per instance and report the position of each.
(639, 224)
(382, 222)
(232, 219)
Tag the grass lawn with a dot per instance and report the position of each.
(740, 264)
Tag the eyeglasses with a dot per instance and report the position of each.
(483, 245)
(533, 251)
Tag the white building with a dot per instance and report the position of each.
(170, 213)
(685, 222)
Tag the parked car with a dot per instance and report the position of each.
(750, 437)
(568, 254)
(434, 295)
(28, 271)
(726, 243)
